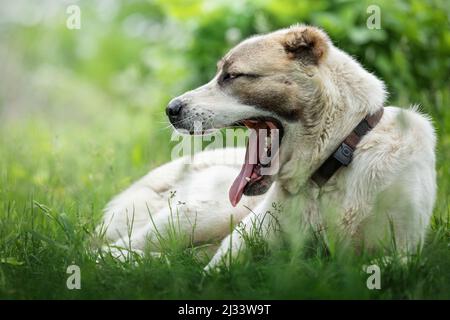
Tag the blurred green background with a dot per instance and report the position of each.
(82, 111)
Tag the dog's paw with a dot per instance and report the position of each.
(213, 265)
(208, 269)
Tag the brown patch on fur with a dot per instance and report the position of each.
(271, 79)
(278, 98)
(308, 44)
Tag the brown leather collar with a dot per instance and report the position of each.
(344, 153)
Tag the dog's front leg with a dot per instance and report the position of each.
(261, 222)
(234, 243)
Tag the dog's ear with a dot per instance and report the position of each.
(308, 44)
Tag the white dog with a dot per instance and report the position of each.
(338, 152)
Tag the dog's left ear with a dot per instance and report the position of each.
(308, 44)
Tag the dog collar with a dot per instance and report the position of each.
(344, 153)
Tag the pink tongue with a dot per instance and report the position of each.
(237, 189)
(239, 184)
(251, 157)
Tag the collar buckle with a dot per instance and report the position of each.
(344, 154)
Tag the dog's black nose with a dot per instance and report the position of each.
(173, 110)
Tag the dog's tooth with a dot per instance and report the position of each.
(248, 179)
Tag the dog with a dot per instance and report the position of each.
(296, 82)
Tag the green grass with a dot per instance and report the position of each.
(56, 176)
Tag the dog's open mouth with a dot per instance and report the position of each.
(261, 158)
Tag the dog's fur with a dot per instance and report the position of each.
(319, 94)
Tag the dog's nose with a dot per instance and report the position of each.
(173, 110)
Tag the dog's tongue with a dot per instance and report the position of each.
(238, 186)
(251, 157)
(248, 173)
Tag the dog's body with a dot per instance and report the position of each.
(296, 80)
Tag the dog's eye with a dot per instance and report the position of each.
(231, 76)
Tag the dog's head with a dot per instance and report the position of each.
(293, 80)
